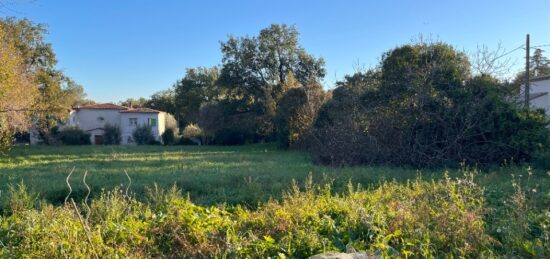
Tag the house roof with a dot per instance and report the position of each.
(140, 110)
(537, 95)
(96, 129)
(539, 78)
(102, 106)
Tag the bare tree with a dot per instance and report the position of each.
(492, 62)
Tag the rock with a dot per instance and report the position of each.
(338, 255)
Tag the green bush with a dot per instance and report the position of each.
(295, 115)
(169, 137)
(443, 218)
(192, 131)
(111, 135)
(74, 136)
(542, 160)
(423, 107)
(230, 137)
(143, 135)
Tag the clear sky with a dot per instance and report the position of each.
(121, 49)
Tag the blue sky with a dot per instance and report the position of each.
(122, 49)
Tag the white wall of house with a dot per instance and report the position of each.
(90, 120)
(130, 120)
(93, 121)
(543, 102)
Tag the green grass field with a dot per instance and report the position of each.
(209, 174)
(500, 212)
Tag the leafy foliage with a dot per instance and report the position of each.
(192, 131)
(143, 135)
(168, 137)
(196, 88)
(423, 108)
(296, 113)
(254, 75)
(111, 135)
(134, 103)
(18, 91)
(48, 93)
(162, 101)
(74, 136)
(444, 218)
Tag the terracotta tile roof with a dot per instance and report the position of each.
(102, 106)
(140, 110)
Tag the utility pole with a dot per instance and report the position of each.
(527, 79)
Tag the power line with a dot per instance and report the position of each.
(546, 45)
(509, 52)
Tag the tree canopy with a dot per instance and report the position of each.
(423, 107)
(28, 68)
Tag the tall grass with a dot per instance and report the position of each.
(245, 175)
(417, 218)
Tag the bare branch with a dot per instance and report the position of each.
(495, 62)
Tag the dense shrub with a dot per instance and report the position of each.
(168, 137)
(143, 135)
(111, 135)
(74, 136)
(423, 108)
(210, 116)
(231, 136)
(444, 218)
(170, 122)
(192, 131)
(296, 113)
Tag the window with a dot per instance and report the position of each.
(133, 121)
(152, 121)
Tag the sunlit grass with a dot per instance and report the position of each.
(210, 174)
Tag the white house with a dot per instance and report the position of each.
(539, 89)
(93, 118)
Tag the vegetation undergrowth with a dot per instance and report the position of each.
(419, 218)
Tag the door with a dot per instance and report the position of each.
(98, 139)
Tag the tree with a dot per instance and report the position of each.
(491, 62)
(196, 88)
(134, 103)
(17, 90)
(75, 93)
(38, 63)
(296, 113)
(210, 116)
(163, 101)
(254, 72)
(540, 64)
(424, 108)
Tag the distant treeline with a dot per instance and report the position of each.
(422, 105)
